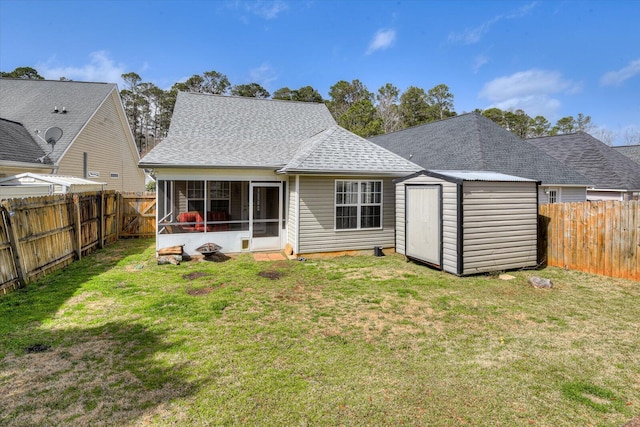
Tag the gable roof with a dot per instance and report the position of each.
(213, 131)
(604, 166)
(17, 145)
(32, 103)
(338, 150)
(631, 151)
(473, 142)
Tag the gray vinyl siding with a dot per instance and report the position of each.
(110, 149)
(500, 226)
(449, 219)
(317, 218)
(291, 215)
(567, 194)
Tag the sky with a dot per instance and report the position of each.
(551, 58)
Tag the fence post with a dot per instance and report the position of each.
(77, 225)
(14, 241)
(101, 223)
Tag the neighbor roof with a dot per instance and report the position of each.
(631, 151)
(32, 103)
(16, 145)
(215, 131)
(604, 166)
(473, 142)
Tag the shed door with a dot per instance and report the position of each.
(423, 223)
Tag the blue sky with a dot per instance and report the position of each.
(555, 58)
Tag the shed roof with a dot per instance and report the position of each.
(474, 142)
(213, 131)
(604, 166)
(461, 176)
(32, 103)
(37, 178)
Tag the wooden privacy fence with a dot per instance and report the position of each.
(595, 237)
(42, 234)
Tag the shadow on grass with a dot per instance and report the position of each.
(113, 374)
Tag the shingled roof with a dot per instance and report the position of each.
(604, 166)
(213, 131)
(16, 145)
(32, 103)
(631, 151)
(473, 142)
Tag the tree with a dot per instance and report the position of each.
(215, 83)
(360, 118)
(344, 94)
(518, 123)
(583, 123)
(27, 73)
(414, 108)
(388, 110)
(441, 101)
(251, 90)
(132, 102)
(304, 94)
(564, 125)
(540, 126)
(631, 136)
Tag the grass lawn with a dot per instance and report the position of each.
(115, 339)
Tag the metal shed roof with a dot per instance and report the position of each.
(462, 175)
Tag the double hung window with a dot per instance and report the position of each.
(358, 205)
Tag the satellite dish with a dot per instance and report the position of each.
(53, 135)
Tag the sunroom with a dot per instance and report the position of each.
(239, 215)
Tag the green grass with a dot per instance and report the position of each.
(344, 341)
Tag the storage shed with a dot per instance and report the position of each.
(467, 222)
(30, 184)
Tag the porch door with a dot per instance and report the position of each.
(265, 216)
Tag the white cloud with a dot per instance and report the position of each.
(264, 75)
(616, 78)
(383, 39)
(266, 9)
(480, 61)
(474, 35)
(101, 68)
(530, 91)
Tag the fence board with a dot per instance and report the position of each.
(42, 234)
(595, 237)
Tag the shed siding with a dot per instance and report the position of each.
(110, 148)
(500, 226)
(317, 209)
(449, 219)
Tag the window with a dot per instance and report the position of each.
(358, 205)
(220, 196)
(195, 196)
(552, 196)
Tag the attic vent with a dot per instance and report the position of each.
(114, 175)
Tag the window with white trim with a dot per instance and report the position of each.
(358, 205)
(552, 196)
(195, 196)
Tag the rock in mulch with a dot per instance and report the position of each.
(541, 283)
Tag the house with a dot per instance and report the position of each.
(473, 142)
(631, 151)
(614, 176)
(19, 152)
(67, 128)
(467, 222)
(257, 175)
(30, 184)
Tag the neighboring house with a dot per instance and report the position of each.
(614, 176)
(34, 184)
(631, 151)
(473, 142)
(255, 175)
(95, 141)
(19, 152)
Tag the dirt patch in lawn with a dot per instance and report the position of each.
(271, 274)
(195, 275)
